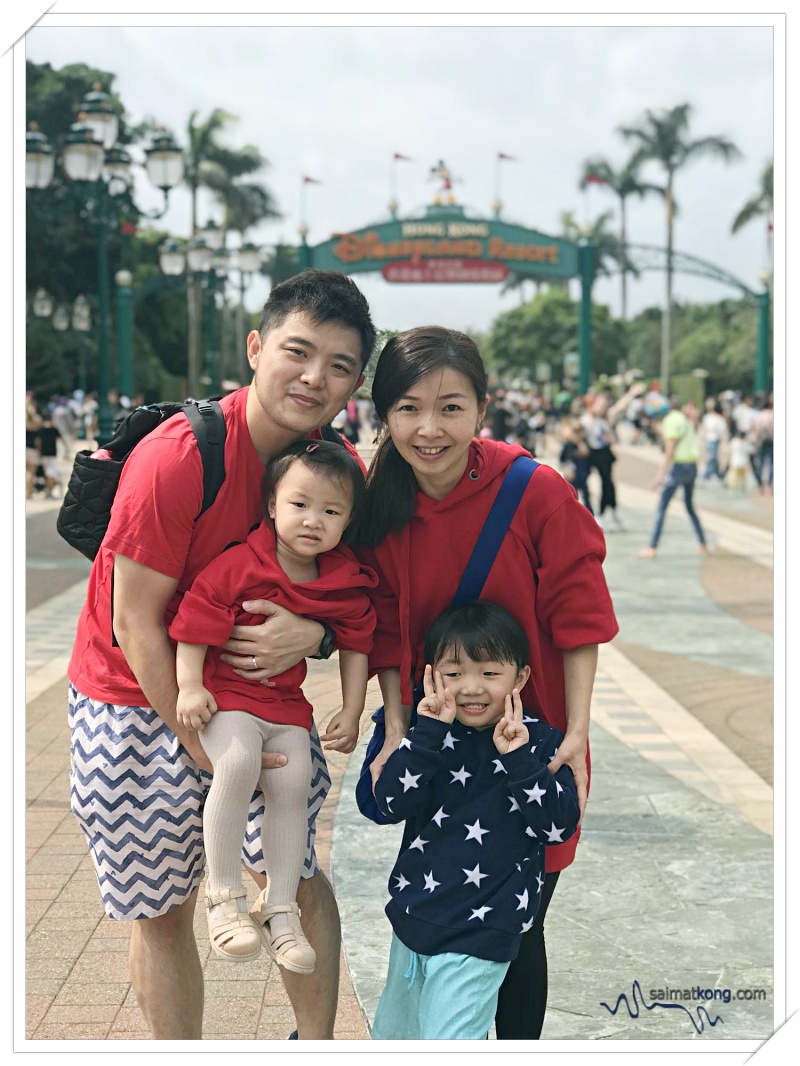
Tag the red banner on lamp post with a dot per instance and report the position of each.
(445, 271)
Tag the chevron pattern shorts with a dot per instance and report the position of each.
(138, 797)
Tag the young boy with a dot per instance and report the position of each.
(472, 784)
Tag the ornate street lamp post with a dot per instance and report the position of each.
(205, 261)
(100, 170)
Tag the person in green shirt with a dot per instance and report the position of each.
(678, 467)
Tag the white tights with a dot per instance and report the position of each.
(233, 741)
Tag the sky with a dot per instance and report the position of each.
(336, 102)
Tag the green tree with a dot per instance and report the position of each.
(624, 183)
(664, 137)
(718, 338)
(545, 329)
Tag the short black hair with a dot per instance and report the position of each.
(481, 630)
(323, 457)
(325, 296)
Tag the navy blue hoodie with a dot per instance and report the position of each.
(470, 871)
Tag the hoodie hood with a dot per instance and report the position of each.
(488, 460)
(338, 568)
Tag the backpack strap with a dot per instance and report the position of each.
(327, 432)
(208, 424)
(494, 529)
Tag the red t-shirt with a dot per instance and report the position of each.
(153, 522)
(250, 571)
(548, 573)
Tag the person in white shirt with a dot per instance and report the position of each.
(714, 431)
(744, 415)
(741, 453)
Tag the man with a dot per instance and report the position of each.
(678, 467)
(137, 785)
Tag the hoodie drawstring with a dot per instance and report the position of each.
(411, 970)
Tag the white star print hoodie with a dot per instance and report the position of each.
(470, 871)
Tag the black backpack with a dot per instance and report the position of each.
(86, 510)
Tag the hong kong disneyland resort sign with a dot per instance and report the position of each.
(445, 246)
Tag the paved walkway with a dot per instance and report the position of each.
(673, 882)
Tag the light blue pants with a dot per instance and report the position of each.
(437, 997)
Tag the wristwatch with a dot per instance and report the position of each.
(328, 643)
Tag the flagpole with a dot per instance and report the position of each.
(302, 201)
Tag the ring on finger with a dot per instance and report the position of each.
(255, 664)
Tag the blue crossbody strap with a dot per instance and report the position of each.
(494, 529)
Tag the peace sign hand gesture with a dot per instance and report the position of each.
(438, 701)
(510, 732)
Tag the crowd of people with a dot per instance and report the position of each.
(734, 434)
(477, 649)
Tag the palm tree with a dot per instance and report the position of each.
(245, 204)
(663, 136)
(217, 167)
(624, 183)
(760, 206)
(610, 254)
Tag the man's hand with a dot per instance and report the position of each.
(342, 732)
(572, 753)
(438, 701)
(511, 732)
(195, 707)
(275, 645)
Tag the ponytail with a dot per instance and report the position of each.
(391, 495)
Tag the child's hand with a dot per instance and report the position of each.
(438, 701)
(342, 732)
(510, 732)
(195, 707)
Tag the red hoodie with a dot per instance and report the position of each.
(250, 571)
(548, 574)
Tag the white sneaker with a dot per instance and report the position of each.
(603, 525)
(618, 523)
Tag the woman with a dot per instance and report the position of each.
(429, 489)
(599, 437)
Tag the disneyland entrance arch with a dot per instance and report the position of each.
(446, 246)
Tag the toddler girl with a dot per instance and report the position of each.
(312, 491)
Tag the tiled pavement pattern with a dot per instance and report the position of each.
(677, 822)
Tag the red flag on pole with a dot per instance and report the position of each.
(405, 158)
(595, 179)
(510, 158)
(311, 181)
